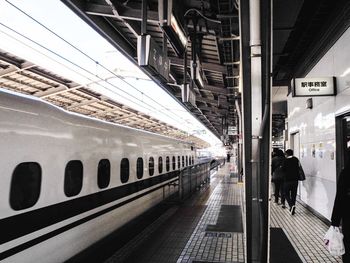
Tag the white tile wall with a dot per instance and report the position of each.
(317, 128)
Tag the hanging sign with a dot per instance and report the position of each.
(150, 55)
(232, 130)
(314, 87)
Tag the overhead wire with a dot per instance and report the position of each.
(203, 16)
(74, 64)
(95, 61)
(76, 72)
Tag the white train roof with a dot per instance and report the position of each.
(21, 76)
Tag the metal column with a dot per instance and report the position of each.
(265, 130)
(256, 69)
(246, 120)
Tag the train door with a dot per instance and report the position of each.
(342, 140)
(295, 146)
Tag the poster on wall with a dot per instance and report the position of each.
(320, 150)
(310, 87)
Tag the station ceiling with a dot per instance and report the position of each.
(302, 32)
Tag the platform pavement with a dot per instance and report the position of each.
(185, 232)
(305, 232)
(195, 230)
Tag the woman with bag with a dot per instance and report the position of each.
(278, 176)
(341, 206)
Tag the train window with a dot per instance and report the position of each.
(167, 163)
(124, 170)
(139, 168)
(178, 162)
(25, 185)
(151, 166)
(186, 160)
(183, 161)
(174, 163)
(73, 178)
(189, 160)
(192, 160)
(160, 164)
(103, 173)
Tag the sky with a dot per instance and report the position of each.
(49, 34)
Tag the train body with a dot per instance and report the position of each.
(67, 180)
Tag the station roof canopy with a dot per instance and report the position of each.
(303, 31)
(25, 77)
(211, 25)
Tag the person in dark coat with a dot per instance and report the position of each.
(291, 170)
(278, 175)
(341, 206)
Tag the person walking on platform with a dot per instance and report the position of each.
(291, 171)
(278, 176)
(341, 206)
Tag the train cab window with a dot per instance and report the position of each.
(25, 185)
(139, 168)
(178, 162)
(124, 170)
(183, 161)
(73, 178)
(103, 173)
(160, 165)
(167, 164)
(186, 160)
(174, 163)
(151, 166)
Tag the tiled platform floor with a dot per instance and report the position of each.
(180, 236)
(305, 231)
(217, 247)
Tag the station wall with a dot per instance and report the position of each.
(314, 129)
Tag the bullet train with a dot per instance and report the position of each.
(68, 180)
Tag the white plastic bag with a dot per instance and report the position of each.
(333, 240)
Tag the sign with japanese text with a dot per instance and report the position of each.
(150, 55)
(232, 130)
(314, 87)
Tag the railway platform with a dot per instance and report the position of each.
(209, 227)
(199, 230)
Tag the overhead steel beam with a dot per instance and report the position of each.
(104, 28)
(205, 66)
(124, 14)
(214, 102)
(215, 89)
(224, 16)
(17, 82)
(229, 38)
(83, 103)
(232, 63)
(207, 108)
(12, 69)
(9, 60)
